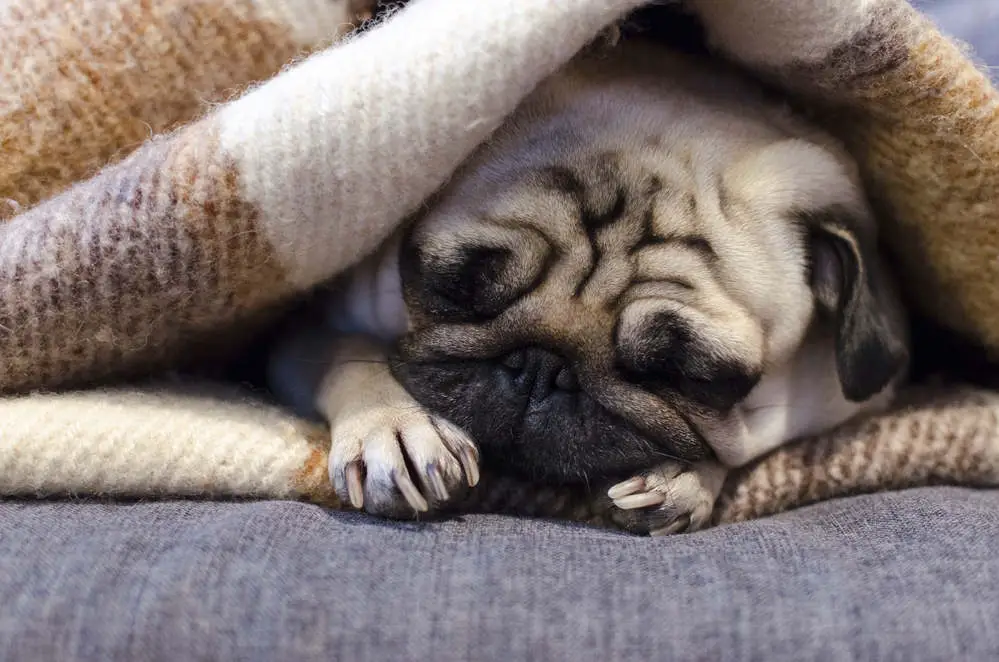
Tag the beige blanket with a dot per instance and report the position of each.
(173, 173)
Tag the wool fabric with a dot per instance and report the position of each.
(184, 170)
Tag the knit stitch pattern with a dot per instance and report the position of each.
(87, 81)
(134, 254)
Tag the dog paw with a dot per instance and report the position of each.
(400, 461)
(672, 498)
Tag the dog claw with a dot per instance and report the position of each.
(436, 482)
(409, 491)
(355, 485)
(630, 486)
(470, 464)
(643, 500)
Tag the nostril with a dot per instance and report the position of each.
(540, 372)
(566, 380)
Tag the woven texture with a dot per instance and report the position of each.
(87, 81)
(891, 577)
(184, 243)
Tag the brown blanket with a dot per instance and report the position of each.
(209, 216)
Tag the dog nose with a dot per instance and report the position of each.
(541, 372)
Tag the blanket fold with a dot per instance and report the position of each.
(84, 82)
(270, 194)
(226, 213)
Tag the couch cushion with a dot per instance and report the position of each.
(909, 575)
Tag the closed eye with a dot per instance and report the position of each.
(466, 286)
(477, 283)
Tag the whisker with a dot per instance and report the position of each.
(666, 456)
(773, 406)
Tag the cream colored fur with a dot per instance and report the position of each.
(328, 163)
(744, 161)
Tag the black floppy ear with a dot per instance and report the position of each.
(851, 287)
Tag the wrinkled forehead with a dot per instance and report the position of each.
(621, 125)
(540, 178)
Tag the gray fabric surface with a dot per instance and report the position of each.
(905, 576)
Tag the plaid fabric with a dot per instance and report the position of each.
(184, 242)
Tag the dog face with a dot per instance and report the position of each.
(615, 271)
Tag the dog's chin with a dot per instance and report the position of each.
(567, 438)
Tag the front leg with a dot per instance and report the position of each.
(388, 455)
(674, 497)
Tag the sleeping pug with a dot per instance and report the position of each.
(651, 274)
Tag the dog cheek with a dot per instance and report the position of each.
(463, 394)
(472, 397)
(577, 445)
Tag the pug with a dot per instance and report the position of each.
(651, 274)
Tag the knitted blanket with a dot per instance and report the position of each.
(173, 174)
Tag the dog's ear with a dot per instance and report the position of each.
(851, 287)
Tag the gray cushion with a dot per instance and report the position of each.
(905, 576)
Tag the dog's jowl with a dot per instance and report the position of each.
(649, 275)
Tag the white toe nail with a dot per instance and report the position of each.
(355, 487)
(643, 500)
(470, 464)
(627, 487)
(436, 482)
(410, 492)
